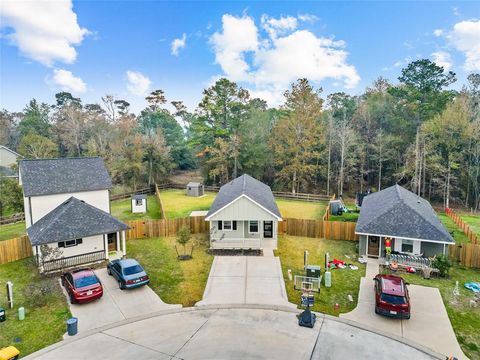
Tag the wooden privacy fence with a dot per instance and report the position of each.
(467, 255)
(126, 195)
(334, 230)
(15, 249)
(165, 227)
(160, 204)
(471, 235)
(12, 219)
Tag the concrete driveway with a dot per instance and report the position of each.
(235, 333)
(429, 324)
(116, 305)
(245, 280)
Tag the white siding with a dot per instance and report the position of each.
(89, 244)
(7, 158)
(416, 246)
(42, 205)
(139, 208)
(243, 209)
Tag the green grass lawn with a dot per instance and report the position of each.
(46, 314)
(121, 209)
(465, 320)
(473, 222)
(344, 281)
(177, 204)
(350, 216)
(176, 282)
(301, 209)
(11, 231)
(453, 229)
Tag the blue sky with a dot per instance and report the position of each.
(125, 48)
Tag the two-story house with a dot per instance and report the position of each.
(8, 160)
(67, 207)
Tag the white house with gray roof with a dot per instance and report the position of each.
(405, 219)
(8, 160)
(244, 215)
(67, 206)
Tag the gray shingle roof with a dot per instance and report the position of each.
(245, 184)
(73, 219)
(139, 196)
(60, 176)
(398, 212)
(194, 184)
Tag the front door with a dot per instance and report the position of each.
(112, 241)
(268, 229)
(373, 245)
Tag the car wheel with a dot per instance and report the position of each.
(376, 311)
(408, 317)
(120, 285)
(109, 272)
(72, 299)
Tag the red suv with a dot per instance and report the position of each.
(391, 296)
(82, 285)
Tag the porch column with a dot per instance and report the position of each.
(444, 249)
(260, 227)
(124, 245)
(210, 233)
(118, 240)
(105, 245)
(275, 233)
(366, 247)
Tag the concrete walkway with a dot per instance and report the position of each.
(116, 304)
(231, 333)
(245, 280)
(429, 324)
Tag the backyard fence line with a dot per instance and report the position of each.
(471, 235)
(15, 249)
(12, 219)
(160, 204)
(326, 216)
(165, 227)
(126, 195)
(277, 194)
(467, 255)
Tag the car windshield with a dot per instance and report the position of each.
(393, 299)
(132, 270)
(86, 281)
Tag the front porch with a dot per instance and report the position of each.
(243, 234)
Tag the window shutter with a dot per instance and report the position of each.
(234, 225)
(220, 225)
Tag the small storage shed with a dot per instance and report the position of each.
(194, 189)
(139, 203)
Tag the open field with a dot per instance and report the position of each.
(176, 282)
(11, 231)
(177, 204)
(473, 222)
(344, 281)
(453, 229)
(46, 311)
(121, 209)
(465, 320)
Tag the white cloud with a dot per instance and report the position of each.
(138, 84)
(178, 44)
(443, 59)
(455, 11)
(66, 81)
(438, 32)
(309, 18)
(269, 64)
(465, 37)
(45, 31)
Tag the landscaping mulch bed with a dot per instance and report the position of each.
(239, 252)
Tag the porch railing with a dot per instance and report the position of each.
(226, 243)
(72, 261)
(414, 261)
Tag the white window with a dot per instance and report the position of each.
(138, 202)
(253, 226)
(407, 246)
(69, 243)
(227, 225)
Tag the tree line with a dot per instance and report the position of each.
(417, 132)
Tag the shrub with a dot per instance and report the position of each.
(442, 263)
(183, 237)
